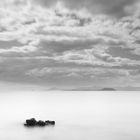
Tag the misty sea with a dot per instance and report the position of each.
(78, 115)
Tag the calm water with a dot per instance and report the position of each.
(78, 115)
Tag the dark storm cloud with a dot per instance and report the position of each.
(111, 7)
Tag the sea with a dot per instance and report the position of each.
(94, 115)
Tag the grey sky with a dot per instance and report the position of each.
(70, 43)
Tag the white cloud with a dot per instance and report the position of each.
(23, 49)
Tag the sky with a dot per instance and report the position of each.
(70, 43)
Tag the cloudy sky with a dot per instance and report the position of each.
(70, 43)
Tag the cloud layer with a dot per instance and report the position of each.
(65, 42)
(112, 7)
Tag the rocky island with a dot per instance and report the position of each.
(32, 122)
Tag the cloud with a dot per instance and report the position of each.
(76, 72)
(24, 49)
(21, 49)
(136, 51)
(92, 76)
(69, 39)
(115, 7)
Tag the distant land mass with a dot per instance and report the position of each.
(108, 89)
(83, 89)
(94, 89)
(129, 88)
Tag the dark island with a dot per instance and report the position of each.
(108, 89)
(32, 122)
